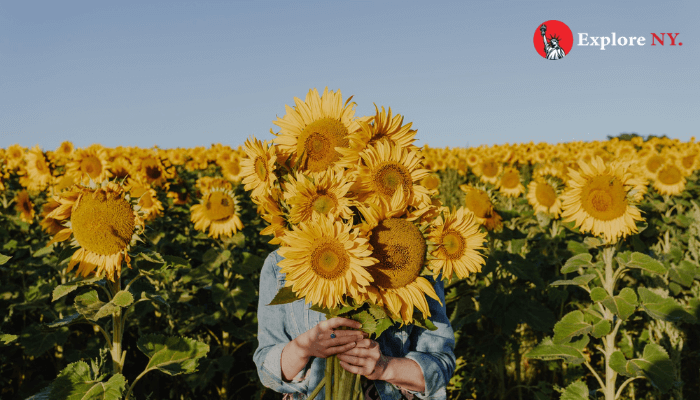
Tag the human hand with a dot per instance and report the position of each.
(365, 359)
(325, 339)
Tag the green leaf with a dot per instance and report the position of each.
(284, 295)
(683, 273)
(592, 242)
(6, 339)
(4, 259)
(655, 365)
(571, 325)
(601, 328)
(250, 264)
(213, 258)
(76, 382)
(599, 294)
(69, 320)
(123, 299)
(43, 251)
(666, 309)
(62, 290)
(175, 260)
(90, 305)
(576, 247)
(37, 342)
(623, 304)
(618, 363)
(641, 261)
(547, 350)
(172, 355)
(576, 262)
(576, 391)
(581, 280)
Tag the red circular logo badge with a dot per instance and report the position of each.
(553, 39)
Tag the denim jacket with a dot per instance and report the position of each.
(278, 325)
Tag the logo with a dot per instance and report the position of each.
(553, 39)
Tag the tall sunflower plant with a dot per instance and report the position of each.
(600, 199)
(359, 234)
(97, 226)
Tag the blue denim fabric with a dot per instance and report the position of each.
(278, 325)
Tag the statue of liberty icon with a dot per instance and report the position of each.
(551, 46)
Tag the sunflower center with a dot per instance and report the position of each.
(688, 161)
(431, 182)
(545, 194)
(388, 176)
(92, 166)
(324, 203)
(654, 162)
(454, 245)
(40, 165)
(261, 168)
(26, 207)
(329, 259)
(218, 206)
(604, 198)
(489, 168)
(318, 142)
(478, 202)
(234, 168)
(102, 224)
(510, 179)
(152, 169)
(400, 248)
(669, 175)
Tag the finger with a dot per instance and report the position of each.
(329, 351)
(351, 359)
(342, 333)
(365, 343)
(354, 369)
(337, 322)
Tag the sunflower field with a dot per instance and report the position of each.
(571, 270)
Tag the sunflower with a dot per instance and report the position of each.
(258, 168)
(38, 175)
(542, 196)
(103, 224)
(509, 183)
(154, 170)
(231, 169)
(382, 126)
(598, 200)
(14, 157)
(89, 164)
(387, 168)
(269, 210)
(323, 193)
(63, 153)
(50, 225)
(121, 168)
(458, 240)
(219, 211)
(24, 206)
(652, 163)
(401, 249)
(147, 197)
(432, 183)
(314, 128)
(478, 202)
(669, 180)
(325, 260)
(488, 170)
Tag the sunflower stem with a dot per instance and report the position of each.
(328, 378)
(117, 331)
(609, 339)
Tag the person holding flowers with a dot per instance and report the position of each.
(352, 304)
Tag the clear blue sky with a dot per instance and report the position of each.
(184, 74)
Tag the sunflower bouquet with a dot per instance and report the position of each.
(359, 232)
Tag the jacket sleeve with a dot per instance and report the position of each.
(434, 350)
(273, 335)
